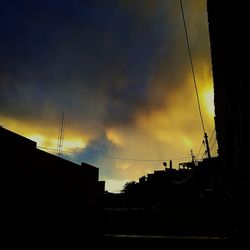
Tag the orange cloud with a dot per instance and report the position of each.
(47, 137)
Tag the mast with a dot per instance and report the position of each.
(60, 136)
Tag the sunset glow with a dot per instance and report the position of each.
(122, 78)
(208, 97)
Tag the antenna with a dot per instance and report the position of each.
(60, 136)
(195, 84)
(192, 156)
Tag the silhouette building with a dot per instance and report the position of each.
(45, 195)
(227, 30)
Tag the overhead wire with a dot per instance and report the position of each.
(214, 143)
(198, 104)
(202, 144)
(213, 140)
(50, 149)
(203, 156)
(192, 67)
(145, 160)
(211, 137)
(123, 158)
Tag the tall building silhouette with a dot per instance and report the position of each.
(228, 49)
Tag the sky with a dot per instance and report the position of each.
(119, 70)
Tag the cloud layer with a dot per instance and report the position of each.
(118, 69)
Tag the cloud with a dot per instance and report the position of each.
(119, 70)
(88, 58)
(95, 150)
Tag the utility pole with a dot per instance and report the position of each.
(207, 146)
(194, 79)
(60, 136)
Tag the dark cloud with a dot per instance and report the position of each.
(96, 152)
(87, 57)
(118, 68)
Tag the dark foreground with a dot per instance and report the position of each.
(165, 242)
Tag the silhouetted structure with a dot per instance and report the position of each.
(185, 201)
(46, 196)
(228, 49)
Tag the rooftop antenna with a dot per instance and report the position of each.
(60, 136)
(195, 84)
(192, 156)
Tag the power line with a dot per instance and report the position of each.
(211, 137)
(195, 84)
(55, 150)
(192, 68)
(186, 178)
(50, 149)
(214, 143)
(213, 140)
(202, 144)
(145, 160)
(121, 158)
(203, 156)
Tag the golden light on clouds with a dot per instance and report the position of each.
(115, 184)
(140, 104)
(47, 137)
(70, 145)
(179, 114)
(122, 165)
(39, 139)
(206, 91)
(187, 141)
(114, 136)
(208, 99)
